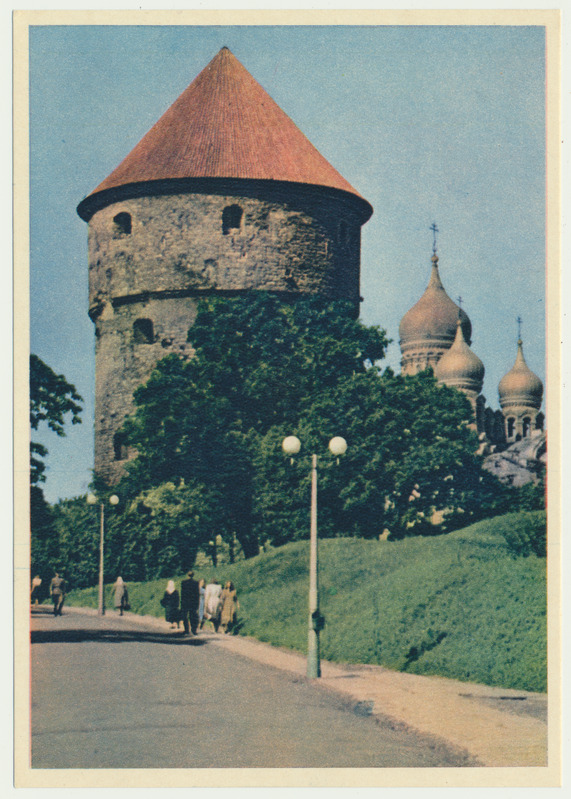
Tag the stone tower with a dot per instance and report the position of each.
(428, 329)
(224, 194)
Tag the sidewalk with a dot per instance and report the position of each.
(495, 726)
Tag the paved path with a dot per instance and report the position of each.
(127, 693)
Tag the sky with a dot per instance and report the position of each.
(428, 123)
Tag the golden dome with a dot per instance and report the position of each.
(434, 316)
(520, 386)
(459, 366)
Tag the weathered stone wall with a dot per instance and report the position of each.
(177, 244)
(125, 359)
(151, 257)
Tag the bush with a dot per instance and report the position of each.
(525, 533)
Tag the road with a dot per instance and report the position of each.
(112, 693)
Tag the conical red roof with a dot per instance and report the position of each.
(225, 125)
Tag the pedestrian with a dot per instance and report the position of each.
(229, 607)
(189, 601)
(121, 599)
(170, 603)
(57, 591)
(35, 595)
(202, 594)
(213, 603)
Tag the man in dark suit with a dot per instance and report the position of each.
(57, 590)
(189, 601)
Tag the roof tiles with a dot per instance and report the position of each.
(225, 125)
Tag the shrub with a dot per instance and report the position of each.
(525, 533)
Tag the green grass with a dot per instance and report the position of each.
(458, 606)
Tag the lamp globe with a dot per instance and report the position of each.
(291, 445)
(338, 446)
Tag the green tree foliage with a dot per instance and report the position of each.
(264, 369)
(525, 533)
(51, 399)
(410, 453)
(44, 540)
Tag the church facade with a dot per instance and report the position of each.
(436, 333)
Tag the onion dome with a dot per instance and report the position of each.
(224, 126)
(434, 316)
(520, 386)
(459, 366)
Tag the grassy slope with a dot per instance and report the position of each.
(457, 605)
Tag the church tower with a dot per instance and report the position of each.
(428, 329)
(461, 368)
(224, 194)
(521, 393)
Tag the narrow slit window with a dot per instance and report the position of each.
(231, 218)
(511, 426)
(122, 224)
(343, 235)
(120, 446)
(143, 331)
(526, 426)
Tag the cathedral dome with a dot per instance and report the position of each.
(434, 316)
(459, 366)
(520, 386)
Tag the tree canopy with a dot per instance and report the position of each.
(52, 398)
(264, 368)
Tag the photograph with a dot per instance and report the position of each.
(286, 356)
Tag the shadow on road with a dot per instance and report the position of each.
(113, 637)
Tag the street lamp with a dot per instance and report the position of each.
(291, 446)
(92, 500)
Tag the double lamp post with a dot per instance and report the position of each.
(92, 500)
(291, 446)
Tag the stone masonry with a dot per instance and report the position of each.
(152, 257)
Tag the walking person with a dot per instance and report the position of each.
(35, 595)
(202, 595)
(57, 591)
(213, 603)
(121, 598)
(189, 601)
(229, 607)
(171, 604)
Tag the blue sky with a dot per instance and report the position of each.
(428, 123)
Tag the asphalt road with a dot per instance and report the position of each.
(110, 693)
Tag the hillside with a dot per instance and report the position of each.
(458, 605)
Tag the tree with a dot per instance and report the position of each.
(51, 399)
(410, 454)
(258, 362)
(264, 369)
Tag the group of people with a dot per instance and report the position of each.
(198, 602)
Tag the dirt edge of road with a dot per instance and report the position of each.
(484, 725)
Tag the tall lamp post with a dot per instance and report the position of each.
(92, 500)
(291, 446)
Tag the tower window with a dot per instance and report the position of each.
(511, 426)
(143, 331)
(343, 234)
(122, 224)
(120, 447)
(231, 218)
(526, 426)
